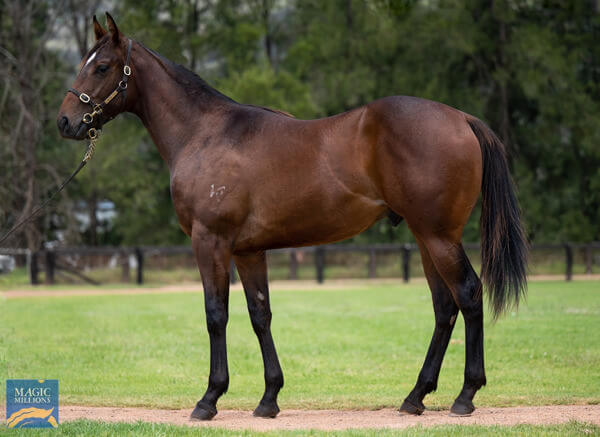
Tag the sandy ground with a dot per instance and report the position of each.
(195, 287)
(340, 419)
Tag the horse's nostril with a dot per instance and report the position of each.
(63, 123)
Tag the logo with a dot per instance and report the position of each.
(32, 403)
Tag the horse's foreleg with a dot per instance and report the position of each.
(453, 265)
(446, 311)
(253, 273)
(213, 255)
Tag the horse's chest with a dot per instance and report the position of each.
(215, 201)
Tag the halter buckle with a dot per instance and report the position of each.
(97, 109)
(87, 118)
(127, 70)
(84, 98)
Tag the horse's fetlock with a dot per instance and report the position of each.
(219, 383)
(274, 381)
(427, 384)
(476, 379)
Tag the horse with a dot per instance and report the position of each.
(246, 179)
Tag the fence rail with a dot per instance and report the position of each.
(52, 258)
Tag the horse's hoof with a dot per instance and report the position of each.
(266, 410)
(203, 411)
(409, 408)
(461, 408)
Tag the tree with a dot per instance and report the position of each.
(530, 69)
(28, 71)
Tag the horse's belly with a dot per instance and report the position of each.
(307, 223)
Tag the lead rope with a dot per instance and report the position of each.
(92, 134)
(93, 137)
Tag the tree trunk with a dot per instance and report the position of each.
(266, 13)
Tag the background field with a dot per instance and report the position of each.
(338, 349)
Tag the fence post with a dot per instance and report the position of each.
(320, 263)
(232, 275)
(125, 267)
(406, 262)
(139, 254)
(50, 265)
(569, 260)
(588, 259)
(33, 268)
(293, 264)
(372, 264)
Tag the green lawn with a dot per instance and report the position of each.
(90, 428)
(338, 349)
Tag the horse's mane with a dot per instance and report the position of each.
(194, 84)
(190, 81)
(276, 111)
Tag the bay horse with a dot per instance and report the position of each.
(246, 179)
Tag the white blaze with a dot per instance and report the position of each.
(90, 59)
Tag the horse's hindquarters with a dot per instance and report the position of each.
(429, 162)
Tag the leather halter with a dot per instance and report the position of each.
(97, 108)
(92, 133)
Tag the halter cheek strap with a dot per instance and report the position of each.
(97, 108)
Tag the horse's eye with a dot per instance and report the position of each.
(102, 68)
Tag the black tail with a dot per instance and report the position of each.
(503, 244)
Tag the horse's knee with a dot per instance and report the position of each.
(216, 319)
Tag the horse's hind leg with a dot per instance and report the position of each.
(445, 315)
(454, 267)
(253, 273)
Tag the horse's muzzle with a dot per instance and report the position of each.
(72, 131)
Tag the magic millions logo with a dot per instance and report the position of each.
(32, 403)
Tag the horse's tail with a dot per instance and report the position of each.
(503, 244)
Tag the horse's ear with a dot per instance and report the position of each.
(112, 28)
(99, 31)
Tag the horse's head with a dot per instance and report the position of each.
(101, 90)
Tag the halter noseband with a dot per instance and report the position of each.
(97, 108)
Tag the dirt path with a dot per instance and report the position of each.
(196, 287)
(341, 419)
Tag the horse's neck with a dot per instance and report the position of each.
(173, 117)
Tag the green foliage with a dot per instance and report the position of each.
(263, 86)
(530, 69)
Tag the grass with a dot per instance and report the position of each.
(99, 429)
(17, 278)
(338, 349)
